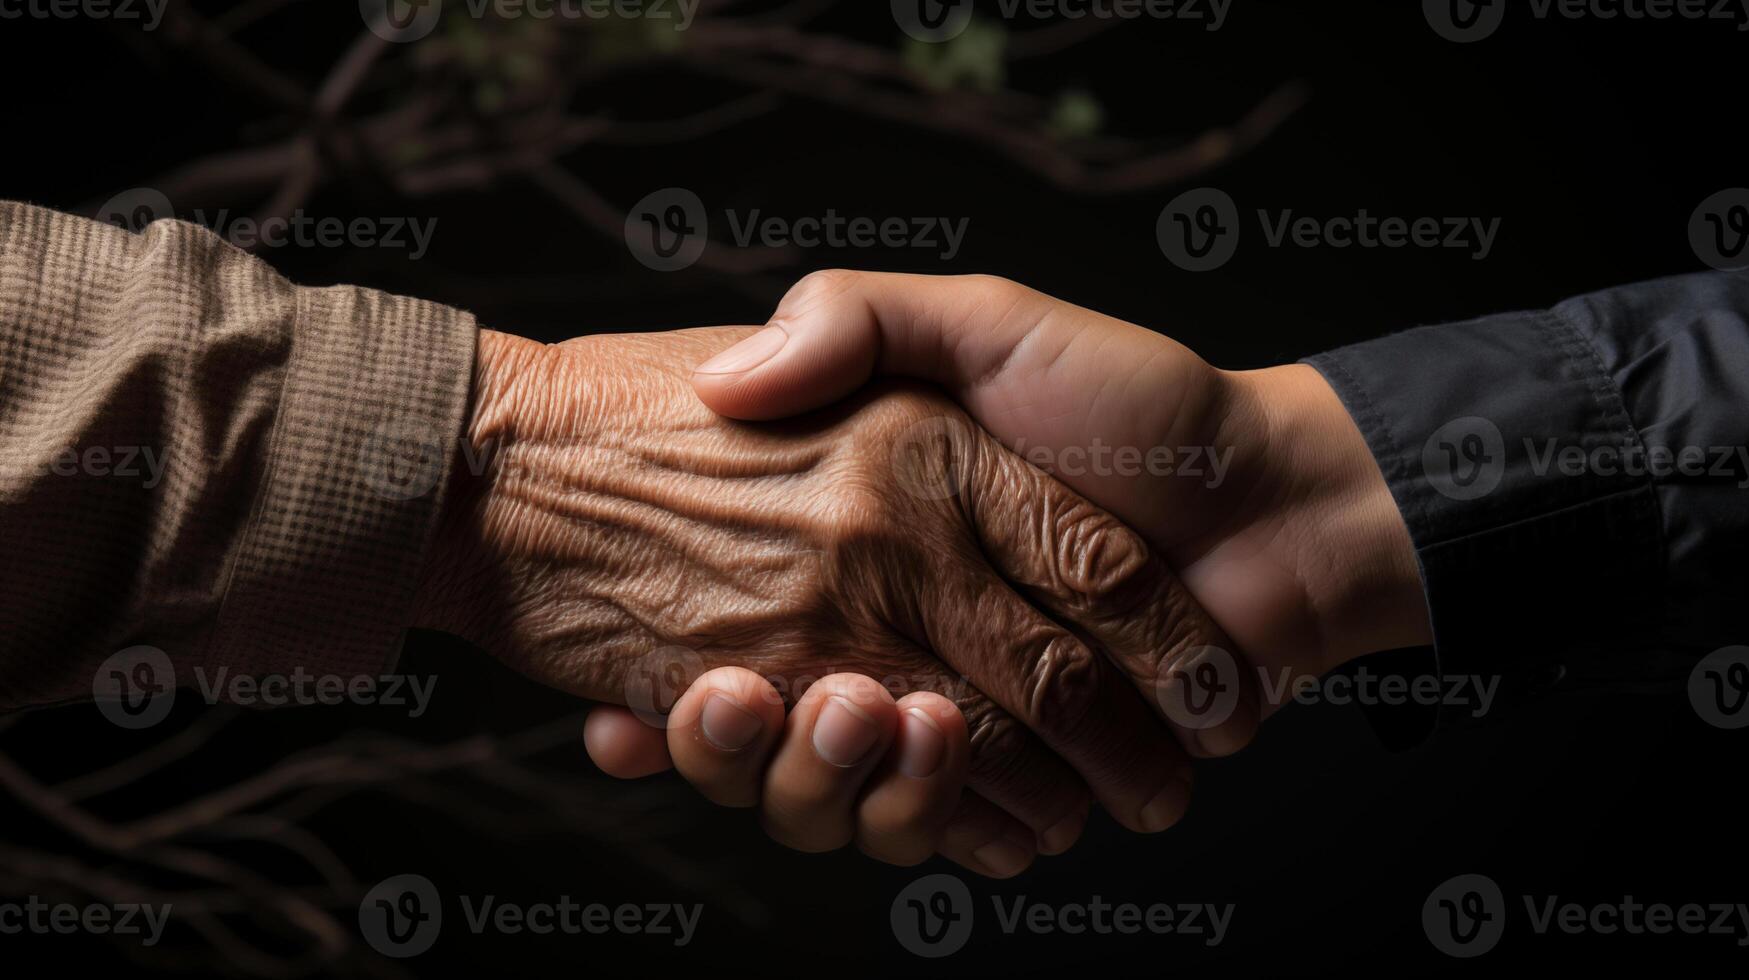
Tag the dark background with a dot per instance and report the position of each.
(1592, 140)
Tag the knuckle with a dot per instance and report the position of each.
(1006, 766)
(1062, 680)
(996, 738)
(814, 288)
(1100, 562)
(1168, 627)
(995, 288)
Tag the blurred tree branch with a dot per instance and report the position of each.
(483, 100)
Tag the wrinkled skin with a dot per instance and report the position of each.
(623, 530)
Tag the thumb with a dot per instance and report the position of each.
(833, 330)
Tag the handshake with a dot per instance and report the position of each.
(894, 630)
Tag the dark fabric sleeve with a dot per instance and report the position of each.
(1574, 481)
(198, 457)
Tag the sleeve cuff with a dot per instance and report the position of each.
(1525, 558)
(374, 399)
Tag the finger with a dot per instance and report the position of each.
(1094, 574)
(834, 329)
(834, 740)
(621, 745)
(721, 734)
(981, 838)
(907, 802)
(1076, 701)
(1009, 765)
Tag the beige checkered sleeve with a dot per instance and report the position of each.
(198, 456)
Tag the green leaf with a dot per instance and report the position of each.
(1076, 114)
(976, 59)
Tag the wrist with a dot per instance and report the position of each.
(1347, 539)
(456, 593)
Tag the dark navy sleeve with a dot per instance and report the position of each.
(1575, 481)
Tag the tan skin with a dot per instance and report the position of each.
(624, 530)
(1299, 552)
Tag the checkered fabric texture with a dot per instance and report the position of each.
(301, 441)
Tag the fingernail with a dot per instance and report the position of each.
(1063, 834)
(746, 355)
(843, 733)
(921, 744)
(1003, 858)
(727, 725)
(1167, 806)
